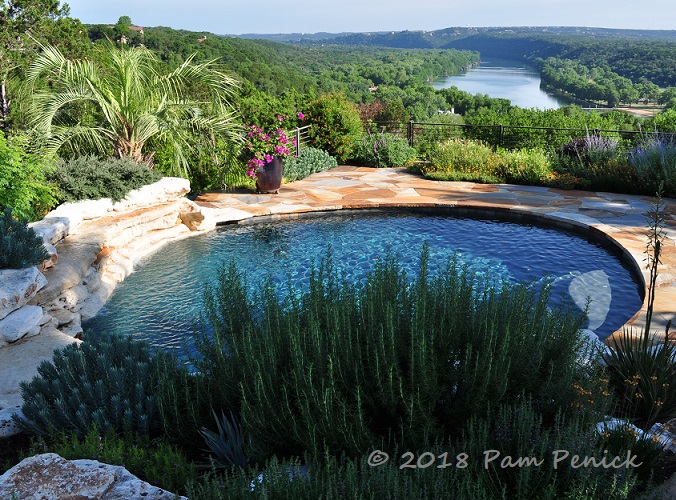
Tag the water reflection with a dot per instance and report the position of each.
(505, 79)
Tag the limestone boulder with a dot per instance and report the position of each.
(166, 189)
(49, 476)
(22, 322)
(8, 427)
(52, 228)
(194, 218)
(77, 212)
(17, 287)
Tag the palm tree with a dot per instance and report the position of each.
(119, 104)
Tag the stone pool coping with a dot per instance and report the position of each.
(617, 218)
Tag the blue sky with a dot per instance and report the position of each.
(311, 16)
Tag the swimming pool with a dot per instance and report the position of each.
(162, 300)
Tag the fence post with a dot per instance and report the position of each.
(297, 141)
(501, 133)
(409, 133)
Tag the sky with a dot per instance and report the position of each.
(230, 17)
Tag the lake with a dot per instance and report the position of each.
(507, 79)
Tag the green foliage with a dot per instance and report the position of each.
(120, 101)
(309, 161)
(641, 371)
(394, 111)
(105, 381)
(90, 178)
(384, 150)
(300, 382)
(342, 477)
(655, 161)
(459, 155)
(597, 83)
(262, 109)
(519, 432)
(23, 26)
(523, 166)
(23, 182)
(458, 159)
(183, 400)
(279, 68)
(214, 164)
(122, 26)
(19, 245)
(336, 126)
(597, 163)
(156, 462)
(592, 162)
(228, 444)
(619, 439)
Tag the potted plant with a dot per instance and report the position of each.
(269, 149)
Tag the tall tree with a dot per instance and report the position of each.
(116, 105)
(23, 25)
(122, 25)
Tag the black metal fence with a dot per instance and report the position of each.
(505, 136)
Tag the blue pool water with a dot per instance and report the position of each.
(161, 301)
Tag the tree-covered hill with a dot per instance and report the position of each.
(633, 54)
(277, 67)
(443, 37)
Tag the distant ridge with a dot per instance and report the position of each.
(440, 38)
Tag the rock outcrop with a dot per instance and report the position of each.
(49, 476)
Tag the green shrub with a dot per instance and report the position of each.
(92, 178)
(458, 159)
(608, 175)
(309, 161)
(437, 129)
(336, 126)
(183, 399)
(524, 166)
(214, 164)
(19, 245)
(518, 431)
(655, 160)
(598, 164)
(333, 477)
(156, 462)
(619, 439)
(228, 444)
(643, 375)
(470, 157)
(384, 150)
(105, 381)
(23, 182)
(391, 363)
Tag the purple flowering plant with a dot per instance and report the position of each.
(267, 145)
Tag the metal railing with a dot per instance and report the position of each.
(505, 136)
(302, 136)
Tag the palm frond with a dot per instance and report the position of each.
(81, 138)
(133, 103)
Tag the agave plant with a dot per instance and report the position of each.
(228, 444)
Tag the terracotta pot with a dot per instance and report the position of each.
(269, 176)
